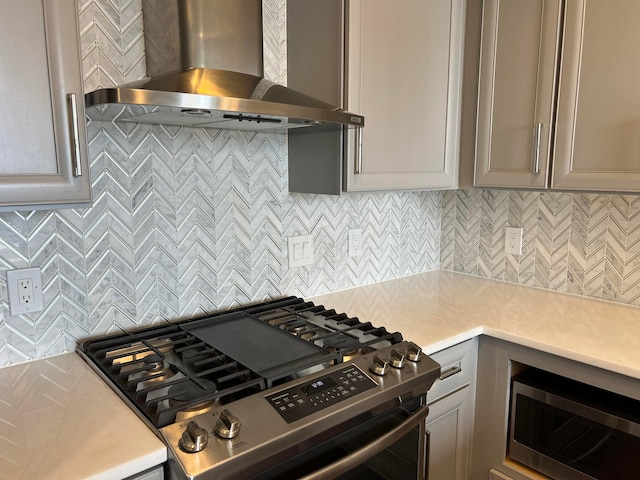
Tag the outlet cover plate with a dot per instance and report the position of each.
(513, 241)
(355, 242)
(300, 251)
(13, 280)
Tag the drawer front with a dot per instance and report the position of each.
(458, 369)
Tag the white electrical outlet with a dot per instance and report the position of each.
(513, 240)
(355, 242)
(25, 291)
(300, 251)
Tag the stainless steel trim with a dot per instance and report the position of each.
(451, 372)
(371, 449)
(428, 455)
(207, 55)
(358, 162)
(75, 134)
(543, 463)
(535, 157)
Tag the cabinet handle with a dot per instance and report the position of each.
(535, 160)
(450, 373)
(428, 455)
(358, 457)
(75, 135)
(358, 162)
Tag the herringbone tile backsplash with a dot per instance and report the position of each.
(583, 244)
(190, 220)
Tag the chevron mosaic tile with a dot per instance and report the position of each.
(584, 244)
(185, 221)
(190, 220)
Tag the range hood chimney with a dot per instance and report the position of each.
(205, 68)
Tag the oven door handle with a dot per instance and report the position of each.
(358, 457)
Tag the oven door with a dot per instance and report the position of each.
(391, 446)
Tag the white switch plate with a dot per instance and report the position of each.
(25, 291)
(355, 242)
(300, 251)
(513, 240)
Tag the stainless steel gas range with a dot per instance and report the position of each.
(277, 390)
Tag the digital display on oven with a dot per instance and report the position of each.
(318, 386)
(307, 398)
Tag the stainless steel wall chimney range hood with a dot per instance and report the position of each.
(205, 68)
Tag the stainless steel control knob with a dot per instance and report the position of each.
(378, 365)
(414, 352)
(227, 426)
(396, 359)
(194, 438)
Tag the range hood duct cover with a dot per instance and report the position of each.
(205, 68)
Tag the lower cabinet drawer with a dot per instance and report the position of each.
(458, 369)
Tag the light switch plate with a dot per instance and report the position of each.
(300, 251)
(25, 291)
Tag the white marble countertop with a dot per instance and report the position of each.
(60, 421)
(439, 309)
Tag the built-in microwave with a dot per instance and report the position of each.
(569, 430)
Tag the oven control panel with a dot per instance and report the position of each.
(322, 392)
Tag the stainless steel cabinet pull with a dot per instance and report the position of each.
(426, 473)
(75, 135)
(450, 373)
(535, 157)
(358, 159)
(356, 458)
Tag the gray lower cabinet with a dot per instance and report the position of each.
(42, 123)
(451, 405)
(497, 362)
(155, 473)
(495, 475)
(449, 435)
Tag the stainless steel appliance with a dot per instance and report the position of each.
(205, 66)
(281, 389)
(570, 430)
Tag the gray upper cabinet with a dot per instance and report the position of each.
(558, 98)
(42, 124)
(598, 124)
(518, 59)
(397, 63)
(404, 74)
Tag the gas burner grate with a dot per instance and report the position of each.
(165, 370)
(325, 327)
(188, 365)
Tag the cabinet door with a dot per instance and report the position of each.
(598, 124)
(448, 425)
(496, 475)
(516, 92)
(404, 75)
(42, 123)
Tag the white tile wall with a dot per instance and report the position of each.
(187, 220)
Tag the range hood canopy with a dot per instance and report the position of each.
(205, 67)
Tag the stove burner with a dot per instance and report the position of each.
(341, 341)
(155, 362)
(176, 370)
(187, 392)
